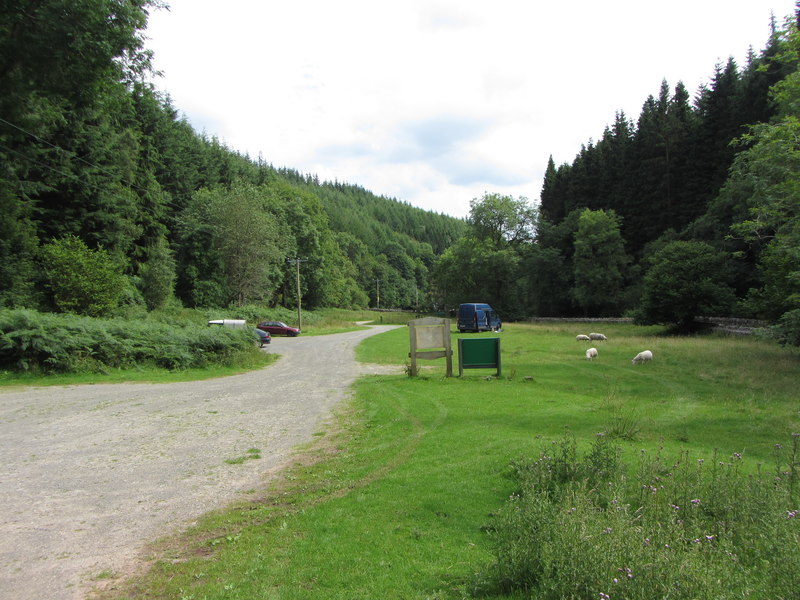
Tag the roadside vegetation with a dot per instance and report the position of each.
(171, 344)
(538, 484)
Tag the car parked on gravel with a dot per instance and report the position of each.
(262, 337)
(278, 328)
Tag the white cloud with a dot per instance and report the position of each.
(435, 102)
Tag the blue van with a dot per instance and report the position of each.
(477, 317)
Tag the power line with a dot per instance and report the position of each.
(71, 154)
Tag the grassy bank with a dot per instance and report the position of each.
(398, 502)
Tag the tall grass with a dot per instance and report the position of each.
(580, 526)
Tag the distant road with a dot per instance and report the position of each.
(89, 474)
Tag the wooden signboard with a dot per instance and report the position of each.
(429, 340)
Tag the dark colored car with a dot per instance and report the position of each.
(263, 337)
(278, 328)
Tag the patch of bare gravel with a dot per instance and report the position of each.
(90, 474)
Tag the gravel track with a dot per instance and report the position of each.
(89, 474)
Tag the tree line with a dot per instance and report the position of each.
(693, 207)
(110, 198)
(100, 174)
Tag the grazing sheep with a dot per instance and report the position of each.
(597, 336)
(591, 353)
(582, 338)
(642, 357)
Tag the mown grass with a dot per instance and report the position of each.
(398, 500)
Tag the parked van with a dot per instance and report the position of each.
(477, 317)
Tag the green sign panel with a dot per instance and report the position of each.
(478, 353)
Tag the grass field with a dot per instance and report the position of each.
(397, 499)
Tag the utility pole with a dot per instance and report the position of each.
(297, 262)
(378, 284)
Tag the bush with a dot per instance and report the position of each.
(787, 331)
(579, 527)
(53, 343)
(82, 281)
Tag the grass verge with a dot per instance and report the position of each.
(398, 501)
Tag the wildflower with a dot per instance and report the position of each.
(675, 506)
(700, 461)
(607, 530)
(646, 541)
(696, 541)
(709, 538)
(604, 596)
(572, 510)
(778, 446)
(666, 546)
(737, 456)
(627, 571)
(791, 514)
(696, 501)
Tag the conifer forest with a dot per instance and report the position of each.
(689, 208)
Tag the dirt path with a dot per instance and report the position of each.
(88, 474)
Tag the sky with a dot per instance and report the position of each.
(436, 102)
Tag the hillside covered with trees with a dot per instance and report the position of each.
(110, 199)
(691, 209)
(100, 175)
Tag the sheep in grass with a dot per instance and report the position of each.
(582, 338)
(642, 357)
(597, 336)
(591, 353)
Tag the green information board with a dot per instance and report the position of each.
(478, 353)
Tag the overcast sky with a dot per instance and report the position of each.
(436, 102)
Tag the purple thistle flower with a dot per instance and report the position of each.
(696, 501)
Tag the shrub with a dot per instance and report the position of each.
(32, 341)
(580, 527)
(83, 281)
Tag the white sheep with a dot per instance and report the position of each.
(642, 357)
(582, 338)
(597, 336)
(591, 353)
